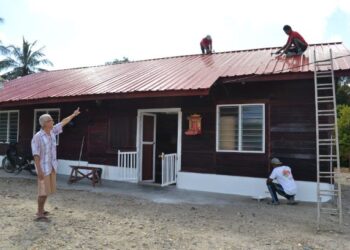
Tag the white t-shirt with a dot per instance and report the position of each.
(283, 175)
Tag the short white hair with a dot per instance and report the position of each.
(44, 118)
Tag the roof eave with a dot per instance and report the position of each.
(132, 95)
(279, 77)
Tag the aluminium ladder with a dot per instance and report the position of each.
(327, 147)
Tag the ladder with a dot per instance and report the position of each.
(328, 167)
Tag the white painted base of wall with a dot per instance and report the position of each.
(238, 185)
(113, 173)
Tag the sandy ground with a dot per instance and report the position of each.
(85, 220)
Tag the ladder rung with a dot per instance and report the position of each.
(326, 144)
(328, 195)
(330, 191)
(327, 156)
(327, 140)
(324, 72)
(325, 101)
(323, 172)
(329, 209)
(326, 114)
(325, 110)
(331, 213)
(324, 84)
(324, 88)
(324, 76)
(325, 97)
(322, 64)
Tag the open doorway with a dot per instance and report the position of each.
(159, 145)
(166, 140)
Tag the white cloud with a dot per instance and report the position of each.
(105, 29)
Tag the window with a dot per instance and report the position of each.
(55, 114)
(122, 132)
(240, 128)
(9, 121)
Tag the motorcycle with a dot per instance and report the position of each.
(13, 162)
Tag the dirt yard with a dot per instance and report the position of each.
(83, 220)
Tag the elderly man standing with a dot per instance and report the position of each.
(45, 157)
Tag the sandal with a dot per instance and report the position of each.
(46, 213)
(42, 218)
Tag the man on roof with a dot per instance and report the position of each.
(296, 44)
(206, 45)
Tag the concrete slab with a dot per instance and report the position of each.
(158, 194)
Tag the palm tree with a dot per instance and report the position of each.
(23, 61)
(3, 49)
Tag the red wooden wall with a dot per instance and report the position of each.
(290, 130)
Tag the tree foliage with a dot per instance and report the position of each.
(118, 61)
(22, 61)
(344, 133)
(3, 49)
(343, 91)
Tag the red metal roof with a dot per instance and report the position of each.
(182, 73)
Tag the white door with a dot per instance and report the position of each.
(148, 147)
(169, 168)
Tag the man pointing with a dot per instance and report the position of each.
(45, 158)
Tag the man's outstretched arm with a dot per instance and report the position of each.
(66, 120)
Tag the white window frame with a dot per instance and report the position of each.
(8, 125)
(240, 128)
(36, 119)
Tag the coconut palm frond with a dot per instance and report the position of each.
(25, 60)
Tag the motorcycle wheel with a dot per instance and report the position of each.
(8, 167)
(31, 169)
(29, 166)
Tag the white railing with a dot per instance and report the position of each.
(169, 169)
(127, 166)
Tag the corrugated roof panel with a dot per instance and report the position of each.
(193, 72)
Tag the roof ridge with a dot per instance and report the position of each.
(181, 56)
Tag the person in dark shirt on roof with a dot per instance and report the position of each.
(206, 45)
(296, 44)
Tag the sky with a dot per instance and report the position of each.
(79, 33)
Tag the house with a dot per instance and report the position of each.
(244, 107)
